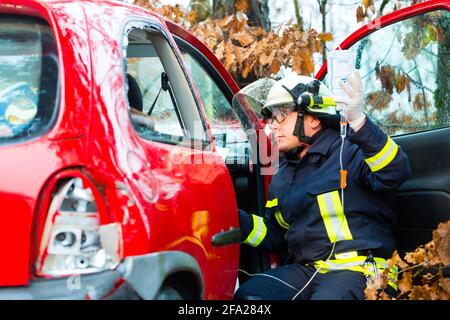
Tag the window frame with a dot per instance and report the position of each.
(216, 77)
(149, 24)
(54, 49)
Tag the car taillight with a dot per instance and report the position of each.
(73, 240)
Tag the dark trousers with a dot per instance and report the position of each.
(333, 285)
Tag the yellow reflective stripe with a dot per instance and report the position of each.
(281, 221)
(341, 216)
(330, 266)
(258, 233)
(272, 203)
(384, 157)
(358, 264)
(326, 218)
(393, 285)
(333, 216)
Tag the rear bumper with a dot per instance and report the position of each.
(137, 277)
(94, 286)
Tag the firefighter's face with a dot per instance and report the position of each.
(284, 131)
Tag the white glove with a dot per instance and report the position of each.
(352, 104)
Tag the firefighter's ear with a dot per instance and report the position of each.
(313, 122)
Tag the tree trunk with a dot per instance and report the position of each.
(222, 8)
(323, 12)
(298, 16)
(202, 9)
(257, 12)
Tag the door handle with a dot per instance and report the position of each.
(224, 238)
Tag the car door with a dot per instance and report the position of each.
(187, 181)
(237, 133)
(403, 59)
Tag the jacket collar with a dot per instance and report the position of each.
(323, 144)
(319, 148)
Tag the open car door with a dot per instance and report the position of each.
(403, 59)
(237, 132)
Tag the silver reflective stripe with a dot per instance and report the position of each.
(333, 216)
(258, 233)
(384, 157)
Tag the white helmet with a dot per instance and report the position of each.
(304, 94)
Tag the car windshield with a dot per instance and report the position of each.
(28, 81)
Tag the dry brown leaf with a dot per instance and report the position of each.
(276, 65)
(229, 56)
(441, 238)
(405, 283)
(418, 102)
(384, 296)
(246, 70)
(360, 14)
(297, 63)
(267, 58)
(421, 293)
(241, 22)
(380, 100)
(428, 278)
(417, 256)
(325, 36)
(191, 17)
(371, 293)
(445, 284)
(308, 62)
(397, 261)
(244, 38)
(386, 76)
(401, 81)
(241, 5)
(220, 51)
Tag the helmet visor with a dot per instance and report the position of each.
(254, 96)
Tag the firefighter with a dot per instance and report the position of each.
(330, 202)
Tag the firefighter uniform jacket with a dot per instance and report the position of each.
(309, 213)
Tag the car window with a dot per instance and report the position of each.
(28, 78)
(162, 106)
(405, 72)
(225, 126)
(228, 132)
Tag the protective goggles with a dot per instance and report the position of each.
(277, 113)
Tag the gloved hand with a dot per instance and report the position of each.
(352, 104)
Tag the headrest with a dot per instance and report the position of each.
(134, 94)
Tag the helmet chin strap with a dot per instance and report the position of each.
(299, 131)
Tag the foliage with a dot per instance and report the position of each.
(422, 273)
(248, 52)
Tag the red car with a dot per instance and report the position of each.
(114, 127)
